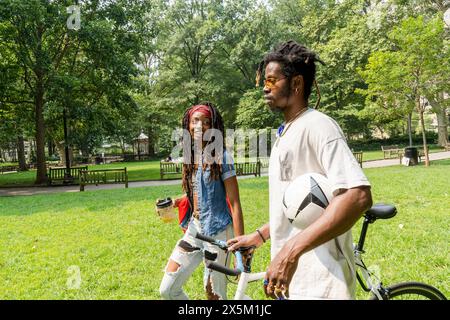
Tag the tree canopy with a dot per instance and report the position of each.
(135, 66)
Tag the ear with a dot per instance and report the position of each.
(298, 83)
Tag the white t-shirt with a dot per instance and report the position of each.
(314, 143)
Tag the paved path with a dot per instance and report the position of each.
(396, 161)
(44, 190)
(27, 191)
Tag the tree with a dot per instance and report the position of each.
(249, 34)
(406, 74)
(339, 32)
(67, 71)
(253, 112)
(15, 107)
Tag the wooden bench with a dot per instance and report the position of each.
(111, 159)
(248, 168)
(447, 147)
(359, 157)
(391, 151)
(168, 168)
(59, 174)
(242, 169)
(103, 176)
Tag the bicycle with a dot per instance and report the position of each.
(403, 290)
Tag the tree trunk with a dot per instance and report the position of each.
(424, 137)
(151, 144)
(61, 152)
(50, 148)
(442, 122)
(409, 129)
(41, 174)
(122, 146)
(21, 153)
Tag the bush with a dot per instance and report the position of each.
(401, 140)
(52, 158)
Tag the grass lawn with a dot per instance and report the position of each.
(378, 155)
(142, 170)
(115, 242)
(137, 171)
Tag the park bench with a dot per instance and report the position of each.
(4, 169)
(242, 169)
(103, 176)
(358, 156)
(264, 162)
(248, 168)
(168, 168)
(59, 174)
(447, 146)
(111, 159)
(391, 151)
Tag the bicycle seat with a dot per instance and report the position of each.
(381, 211)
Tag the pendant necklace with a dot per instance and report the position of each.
(281, 129)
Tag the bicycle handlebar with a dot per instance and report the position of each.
(218, 267)
(221, 244)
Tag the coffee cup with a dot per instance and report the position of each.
(165, 210)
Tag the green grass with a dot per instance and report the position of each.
(25, 178)
(378, 155)
(137, 171)
(6, 164)
(120, 246)
(143, 170)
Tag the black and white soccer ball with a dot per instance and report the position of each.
(306, 198)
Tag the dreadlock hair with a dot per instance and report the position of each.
(295, 59)
(189, 168)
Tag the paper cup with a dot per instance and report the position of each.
(165, 209)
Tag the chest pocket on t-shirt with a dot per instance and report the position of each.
(286, 165)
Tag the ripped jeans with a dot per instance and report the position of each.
(188, 256)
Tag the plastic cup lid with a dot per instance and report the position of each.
(164, 203)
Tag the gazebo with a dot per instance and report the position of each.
(141, 146)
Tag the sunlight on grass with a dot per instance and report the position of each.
(120, 246)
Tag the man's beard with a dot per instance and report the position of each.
(286, 93)
(275, 109)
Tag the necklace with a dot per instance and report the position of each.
(281, 130)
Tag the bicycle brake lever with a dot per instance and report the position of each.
(242, 249)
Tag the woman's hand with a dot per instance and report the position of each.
(249, 240)
(176, 202)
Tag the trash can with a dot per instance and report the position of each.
(412, 154)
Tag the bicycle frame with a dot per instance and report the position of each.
(244, 279)
(369, 283)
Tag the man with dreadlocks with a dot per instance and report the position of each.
(316, 263)
(212, 203)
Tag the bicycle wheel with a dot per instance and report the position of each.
(412, 291)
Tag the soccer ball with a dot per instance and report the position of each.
(306, 198)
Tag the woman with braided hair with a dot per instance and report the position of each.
(212, 206)
(316, 262)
